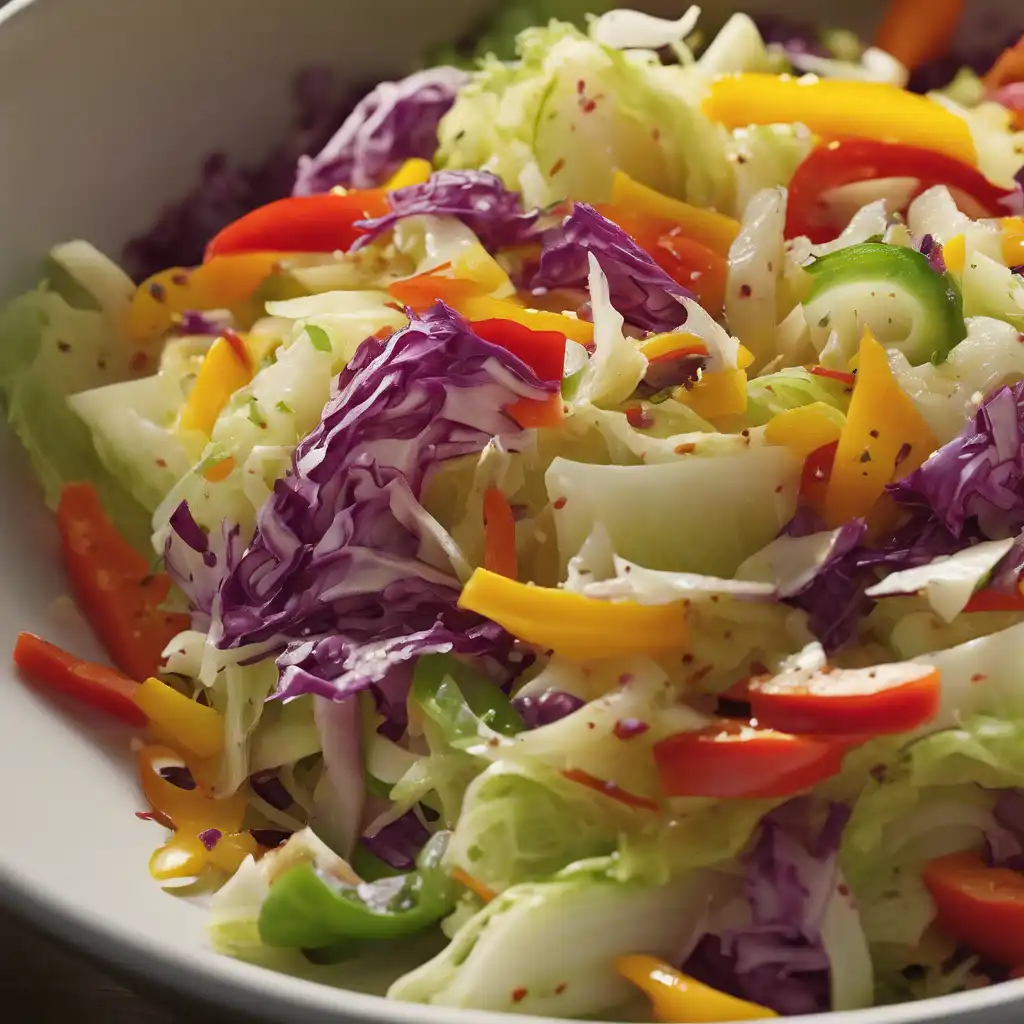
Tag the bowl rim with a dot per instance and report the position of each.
(224, 981)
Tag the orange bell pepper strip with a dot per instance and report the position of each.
(421, 292)
(835, 108)
(884, 438)
(499, 535)
(115, 589)
(321, 223)
(714, 230)
(536, 414)
(916, 32)
(226, 368)
(222, 283)
(96, 685)
(1008, 68)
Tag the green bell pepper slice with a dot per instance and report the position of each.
(305, 909)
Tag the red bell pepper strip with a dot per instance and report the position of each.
(918, 31)
(737, 761)
(425, 290)
(115, 589)
(851, 160)
(542, 351)
(499, 535)
(978, 905)
(96, 685)
(815, 475)
(849, 379)
(322, 223)
(988, 600)
(873, 701)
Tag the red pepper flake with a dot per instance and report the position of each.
(639, 418)
(609, 789)
(685, 449)
(239, 347)
(556, 167)
(629, 728)
(64, 346)
(849, 379)
(158, 291)
(656, 134)
(699, 676)
(581, 87)
(561, 987)
(559, 503)
(979, 677)
(138, 362)
(180, 279)
(519, 994)
(626, 678)
(162, 463)
(902, 454)
(844, 889)
(588, 106)
(145, 815)
(746, 291)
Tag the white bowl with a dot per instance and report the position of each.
(106, 108)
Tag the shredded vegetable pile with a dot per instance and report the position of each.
(575, 539)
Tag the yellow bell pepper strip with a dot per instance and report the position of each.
(805, 429)
(415, 171)
(578, 627)
(226, 368)
(674, 343)
(884, 438)
(190, 726)
(916, 32)
(954, 251)
(716, 396)
(191, 812)
(484, 307)
(679, 999)
(220, 284)
(711, 229)
(835, 108)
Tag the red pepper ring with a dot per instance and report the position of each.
(846, 161)
(321, 223)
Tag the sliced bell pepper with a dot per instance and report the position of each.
(814, 478)
(484, 307)
(115, 589)
(805, 429)
(716, 396)
(954, 252)
(849, 379)
(736, 761)
(542, 351)
(575, 626)
(714, 230)
(871, 701)
(677, 998)
(415, 171)
(689, 262)
(306, 909)
(938, 321)
(499, 535)
(96, 685)
(916, 32)
(674, 343)
(221, 283)
(538, 413)
(321, 223)
(978, 905)
(421, 292)
(989, 600)
(226, 368)
(884, 438)
(836, 108)
(848, 160)
(188, 725)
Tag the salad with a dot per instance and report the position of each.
(572, 542)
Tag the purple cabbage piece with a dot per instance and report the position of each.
(549, 707)
(395, 122)
(270, 838)
(976, 46)
(476, 198)
(640, 290)
(194, 322)
(199, 563)
(399, 843)
(344, 570)
(1004, 844)
(779, 960)
(795, 37)
(978, 476)
(1014, 203)
(225, 192)
(931, 248)
(210, 838)
(267, 786)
